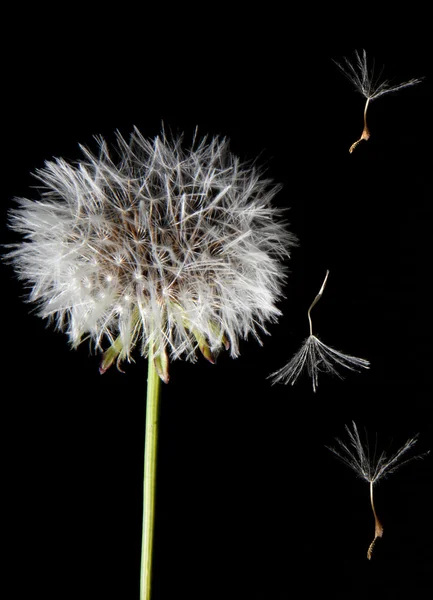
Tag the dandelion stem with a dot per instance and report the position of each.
(316, 299)
(149, 485)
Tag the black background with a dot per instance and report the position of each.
(250, 502)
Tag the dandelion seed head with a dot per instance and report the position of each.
(178, 248)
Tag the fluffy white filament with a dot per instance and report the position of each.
(367, 465)
(316, 357)
(162, 245)
(365, 81)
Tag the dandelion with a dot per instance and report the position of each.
(369, 85)
(371, 468)
(155, 247)
(316, 357)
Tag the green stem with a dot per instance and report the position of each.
(149, 484)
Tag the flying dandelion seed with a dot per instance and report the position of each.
(370, 86)
(316, 357)
(370, 467)
(168, 249)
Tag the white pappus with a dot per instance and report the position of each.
(156, 245)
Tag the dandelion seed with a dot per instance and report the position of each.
(316, 357)
(369, 85)
(371, 468)
(169, 249)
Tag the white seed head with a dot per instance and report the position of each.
(164, 247)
